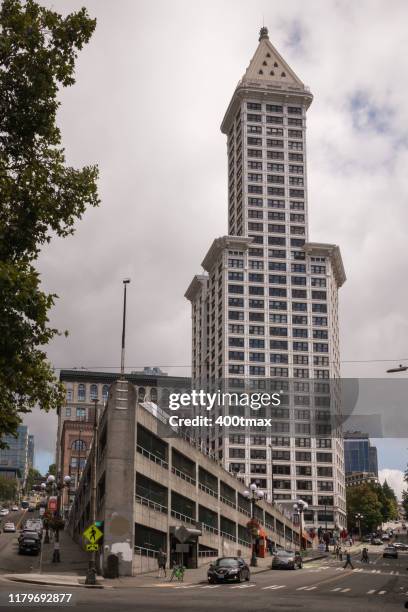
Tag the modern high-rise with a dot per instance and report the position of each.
(359, 455)
(14, 458)
(31, 450)
(266, 307)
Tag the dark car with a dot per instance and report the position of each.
(226, 569)
(400, 546)
(390, 552)
(286, 559)
(29, 542)
(376, 542)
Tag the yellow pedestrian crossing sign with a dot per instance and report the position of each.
(92, 547)
(93, 534)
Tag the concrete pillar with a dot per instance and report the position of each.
(119, 527)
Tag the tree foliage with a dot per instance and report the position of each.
(363, 499)
(33, 476)
(40, 195)
(8, 489)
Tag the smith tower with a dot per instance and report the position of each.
(266, 306)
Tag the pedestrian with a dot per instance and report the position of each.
(161, 561)
(348, 561)
(56, 554)
(337, 552)
(364, 556)
(351, 541)
(340, 553)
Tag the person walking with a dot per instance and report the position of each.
(340, 553)
(348, 561)
(161, 561)
(364, 556)
(56, 554)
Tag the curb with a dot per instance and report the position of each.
(57, 584)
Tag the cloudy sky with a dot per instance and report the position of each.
(152, 87)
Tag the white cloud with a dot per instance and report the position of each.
(395, 479)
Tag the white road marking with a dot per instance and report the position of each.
(382, 592)
(211, 586)
(371, 592)
(243, 586)
(336, 589)
(345, 590)
(186, 586)
(274, 587)
(358, 570)
(306, 588)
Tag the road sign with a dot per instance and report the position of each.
(92, 547)
(93, 534)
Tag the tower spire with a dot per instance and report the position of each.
(263, 33)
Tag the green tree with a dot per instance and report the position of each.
(405, 502)
(8, 489)
(32, 476)
(363, 499)
(52, 469)
(40, 195)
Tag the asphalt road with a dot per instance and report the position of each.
(10, 560)
(321, 586)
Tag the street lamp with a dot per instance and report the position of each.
(254, 495)
(400, 368)
(359, 518)
(300, 506)
(54, 487)
(272, 482)
(125, 281)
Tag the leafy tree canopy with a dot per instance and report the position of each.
(40, 195)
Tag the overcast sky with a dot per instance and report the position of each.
(152, 87)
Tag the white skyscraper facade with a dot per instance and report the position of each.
(266, 306)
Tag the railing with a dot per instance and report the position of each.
(183, 517)
(152, 457)
(227, 535)
(145, 552)
(151, 504)
(228, 502)
(208, 553)
(243, 511)
(183, 476)
(207, 490)
(210, 528)
(243, 543)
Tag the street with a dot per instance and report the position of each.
(321, 585)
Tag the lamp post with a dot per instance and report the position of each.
(125, 281)
(359, 518)
(91, 573)
(272, 481)
(300, 506)
(55, 487)
(253, 494)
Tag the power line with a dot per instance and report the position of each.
(133, 367)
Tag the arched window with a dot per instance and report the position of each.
(142, 394)
(153, 395)
(81, 393)
(78, 445)
(94, 392)
(105, 392)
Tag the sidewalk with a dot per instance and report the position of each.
(74, 560)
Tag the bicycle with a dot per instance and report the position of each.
(178, 573)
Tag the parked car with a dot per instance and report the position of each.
(14, 508)
(400, 545)
(9, 528)
(226, 569)
(287, 559)
(4, 512)
(28, 532)
(29, 542)
(376, 541)
(390, 552)
(385, 537)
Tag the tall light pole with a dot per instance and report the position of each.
(359, 518)
(125, 281)
(272, 482)
(300, 506)
(253, 495)
(400, 368)
(91, 573)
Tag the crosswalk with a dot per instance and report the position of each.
(339, 590)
